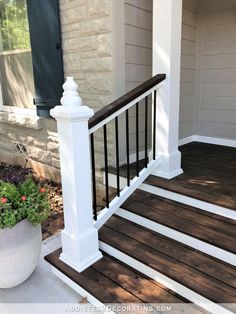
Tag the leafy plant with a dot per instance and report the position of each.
(27, 200)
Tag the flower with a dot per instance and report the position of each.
(3, 200)
(23, 198)
(42, 190)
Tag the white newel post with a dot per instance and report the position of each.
(79, 238)
(167, 28)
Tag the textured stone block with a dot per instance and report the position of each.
(97, 65)
(104, 45)
(99, 84)
(93, 27)
(98, 8)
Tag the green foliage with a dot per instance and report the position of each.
(14, 25)
(18, 202)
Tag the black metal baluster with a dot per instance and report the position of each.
(117, 156)
(93, 178)
(137, 139)
(106, 165)
(154, 124)
(127, 146)
(146, 131)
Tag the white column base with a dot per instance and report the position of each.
(170, 165)
(80, 253)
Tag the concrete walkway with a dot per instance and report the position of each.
(42, 286)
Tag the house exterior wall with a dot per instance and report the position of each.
(138, 58)
(87, 28)
(188, 69)
(138, 42)
(217, 69)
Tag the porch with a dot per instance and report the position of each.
(159, 250)
(162, 234)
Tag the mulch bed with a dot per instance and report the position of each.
(55, 222)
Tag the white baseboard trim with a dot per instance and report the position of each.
(211, 208)
(208, 140)
(85, 294)
(166, 281)
(179, 237)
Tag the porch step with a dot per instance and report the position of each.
(196, 276)
(111, 281)
(213, 229)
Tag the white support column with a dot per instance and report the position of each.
(79, 238)
(167, 27)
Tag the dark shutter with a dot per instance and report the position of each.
(45, 36)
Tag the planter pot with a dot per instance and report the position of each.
(20, 249)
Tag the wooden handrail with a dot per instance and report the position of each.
(125, 99)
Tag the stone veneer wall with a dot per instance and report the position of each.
(87, 52)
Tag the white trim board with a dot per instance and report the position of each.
(208, 140)
(218, 210)
(85, 294)
(164, 280)
(135, 183)
(179, 237)
(211, 208)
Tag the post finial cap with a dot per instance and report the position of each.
(71, 95)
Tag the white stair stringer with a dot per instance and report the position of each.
(178, 236)
(165, 281)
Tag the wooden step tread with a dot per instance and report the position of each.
(111, 281)
(207, 276)
(194, 222)
(209, 175)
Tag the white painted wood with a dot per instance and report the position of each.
(186, 140)
(106, 213)
(208, 140)
(222, 211)
(82, 292)
(79, 238)
(167, 21)
(166, 281)
(215, 140)
(180, 237)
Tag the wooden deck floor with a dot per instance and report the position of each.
(207, 276)
(209, 174)
(210, 228)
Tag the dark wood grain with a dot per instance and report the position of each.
(184, 254)
(125, 99)
(111, 281)
(192, 223)
(188, 276)
(209, 174)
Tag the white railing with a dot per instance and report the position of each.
(80, 247)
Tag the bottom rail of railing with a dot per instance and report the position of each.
(115, 204)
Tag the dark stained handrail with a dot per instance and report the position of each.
(125, 99)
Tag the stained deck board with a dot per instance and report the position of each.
(209, 174)
(182, 253)
(145, 249)
(192, 223)
(110, 281)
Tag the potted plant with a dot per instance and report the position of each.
(23, 207)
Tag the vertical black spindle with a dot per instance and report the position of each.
(154, 124)
(146, 131)
(93, 178)
(117, 156)
(127, 146)
(106, 165)
(137, 139)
